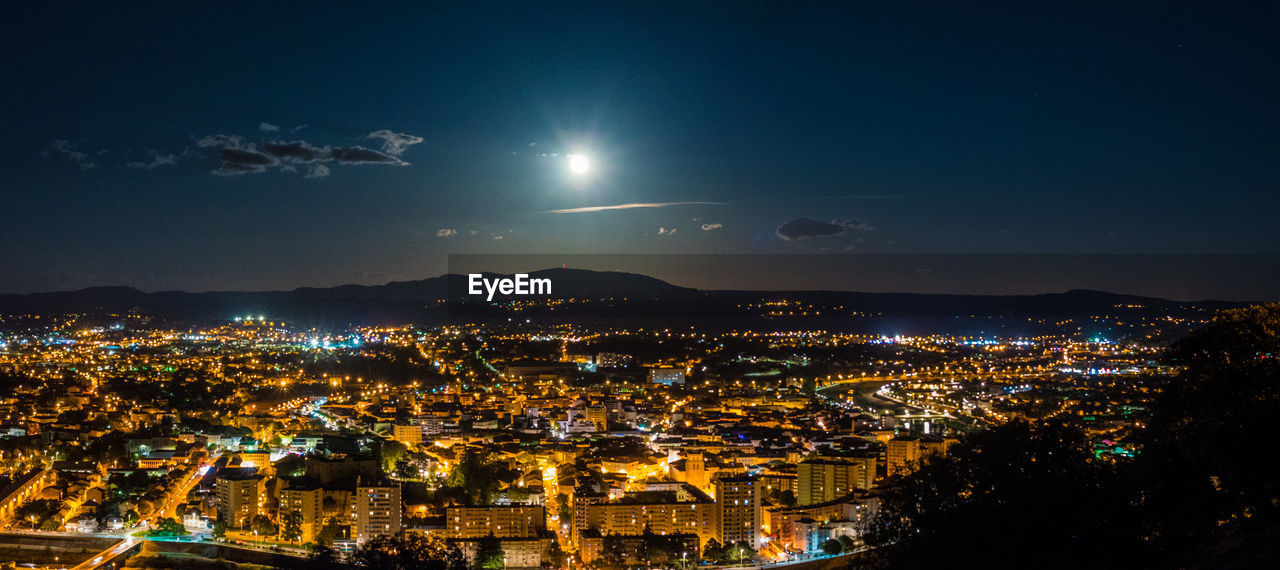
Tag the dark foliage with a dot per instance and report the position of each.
(408, 553)
(1208, 461)
(1201, 490)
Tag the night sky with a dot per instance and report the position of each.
(276, 145)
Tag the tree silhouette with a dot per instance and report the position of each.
(846, 544)
(1037, 495)
(1207, 477)
(613, 552)
(409, 553)
(291, 530)
(712, 551)
(489, 554)
(831, 547)
(262, 525)
(1201, 491)
(739, 552)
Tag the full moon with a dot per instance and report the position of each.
(578, 164)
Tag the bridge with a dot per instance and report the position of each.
(117, 553)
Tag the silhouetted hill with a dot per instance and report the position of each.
(591, 294)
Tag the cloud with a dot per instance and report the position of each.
(498, 237)
(359, 154)
(239, 156)
(299, 151)
(666, 232)
(69, 149)
(394, 144)
(709, 227)
(220, 141)
(316, 171)
(804, 228)
(156, 161)
(629, 207)
(243, 160)
(446, 232)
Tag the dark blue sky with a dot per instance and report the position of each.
(276, 145)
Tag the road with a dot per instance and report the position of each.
(176, 499)
(869, 388)
(179, 496)
(107, 555)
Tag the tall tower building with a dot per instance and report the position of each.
(239, 496)
(903, 455)
(308, 500)
(739, 511)
(825, 479)
(378, 511)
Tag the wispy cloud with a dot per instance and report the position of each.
(446, 232)
(71, 151)
(709, 227)
(394, 144)
(157, 160)
(630, 206)
(239, 155)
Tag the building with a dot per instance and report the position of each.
(808, 535)
(739, 510)
(825, 479)
(409, 435)
(342, 471)
(257, 458)
(685, 511)
(666, 376)
(903, 455)
(613, 360)
(502, 521)
(936, 445)
(789, 524)
(378, 511)
(517, 553)
(305, 444)
(683, 549)
(598, 415)
(25, 488)
(582, 501)
(307, 500)
(692, 469)
(239, 496)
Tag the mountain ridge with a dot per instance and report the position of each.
(600, 293)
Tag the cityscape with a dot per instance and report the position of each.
(639, 286)
(524, 445)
